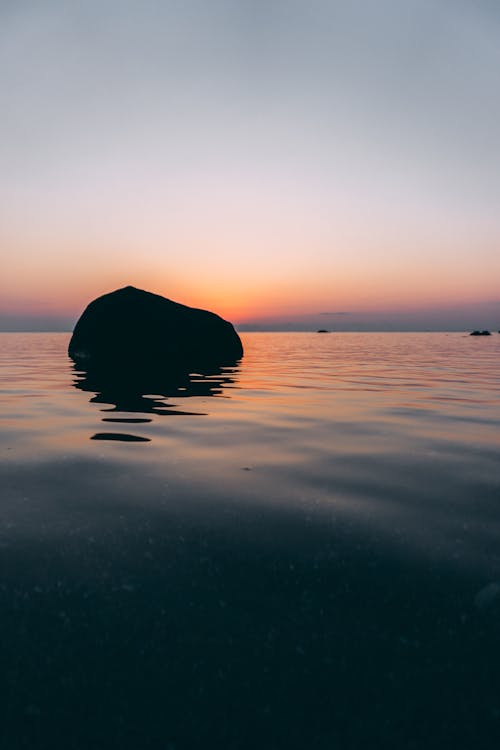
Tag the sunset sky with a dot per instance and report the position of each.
(285, 163)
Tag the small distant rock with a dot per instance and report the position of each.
(488, 596)
(322, 330)
(480, 333)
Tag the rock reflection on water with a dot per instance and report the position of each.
(120, 437)
(147, 391)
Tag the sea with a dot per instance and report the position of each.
(300, 551)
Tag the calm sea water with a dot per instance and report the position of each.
(301, 551)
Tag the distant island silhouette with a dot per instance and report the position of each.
(480, 333)
(140, 329)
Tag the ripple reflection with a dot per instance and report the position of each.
(148, 391)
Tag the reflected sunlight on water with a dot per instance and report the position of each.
(387, 428)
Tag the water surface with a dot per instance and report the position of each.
(299, 551)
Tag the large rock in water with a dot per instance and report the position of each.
(137, 328)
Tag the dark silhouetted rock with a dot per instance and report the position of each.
(480, 333)
(139, 329)
(321, 330)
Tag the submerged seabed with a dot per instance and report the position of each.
(299, 552)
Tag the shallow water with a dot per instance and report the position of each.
(300, 551)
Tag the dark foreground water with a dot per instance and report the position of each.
(300, 552)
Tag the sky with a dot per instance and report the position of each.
(285, 163)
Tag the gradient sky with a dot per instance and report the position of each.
(270, 160)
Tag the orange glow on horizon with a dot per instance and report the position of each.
(253, 302)
(250, 290)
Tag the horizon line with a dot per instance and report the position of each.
(243, 329)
